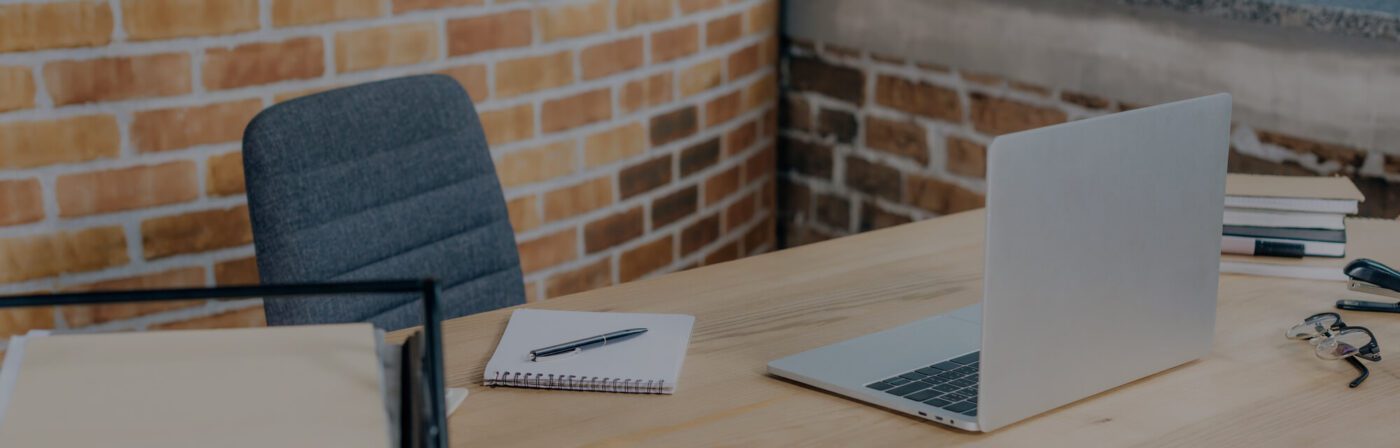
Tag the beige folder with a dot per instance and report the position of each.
(1301, 187)
(306, 386)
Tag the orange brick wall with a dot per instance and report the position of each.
(633, 137)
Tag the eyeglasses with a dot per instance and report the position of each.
(1333, 339)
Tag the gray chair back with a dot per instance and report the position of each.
(385, 180)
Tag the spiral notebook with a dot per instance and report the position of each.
(647, 364)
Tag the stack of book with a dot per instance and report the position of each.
(1273, 221)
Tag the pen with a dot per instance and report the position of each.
(586, 343)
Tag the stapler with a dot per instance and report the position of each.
(1371, 277)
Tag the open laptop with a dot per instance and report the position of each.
(1102, 251)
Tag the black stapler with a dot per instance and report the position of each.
(1371, 277)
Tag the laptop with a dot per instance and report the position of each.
(1102, 258)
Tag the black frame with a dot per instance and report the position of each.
(1370, 352)
(432, 432)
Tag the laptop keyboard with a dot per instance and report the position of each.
(950, 384)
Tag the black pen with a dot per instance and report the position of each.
(586, 343)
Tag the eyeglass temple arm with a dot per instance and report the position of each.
(1359, 368)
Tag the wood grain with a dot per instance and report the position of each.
(1256, 388)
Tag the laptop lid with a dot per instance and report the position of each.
(1102, 253)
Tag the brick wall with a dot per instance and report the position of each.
(633, 137)
(870, 140)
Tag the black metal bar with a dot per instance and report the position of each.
(432, 333)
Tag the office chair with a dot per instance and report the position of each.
(386, 180)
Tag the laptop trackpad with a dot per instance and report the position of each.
(891, 352)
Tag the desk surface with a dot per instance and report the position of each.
(1256, 388)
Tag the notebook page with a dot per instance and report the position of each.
(656, 355)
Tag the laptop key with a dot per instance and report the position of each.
(945, 388)
(962, 383)
(947, 376)
(897, 381)
(965, 370)
(913, 376)
(972, 413)
(928, 371)
(923, 395)
(938, 402)
(946, 365)
(880, 385)
(956, 396)
(961, 407)
(968, 358)
(907, 389)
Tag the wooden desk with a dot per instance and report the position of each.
(1255, 389)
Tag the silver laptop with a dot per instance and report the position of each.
(1102, 258)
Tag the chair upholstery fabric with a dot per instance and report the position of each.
(386, 180)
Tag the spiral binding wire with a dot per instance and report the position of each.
(572, 382)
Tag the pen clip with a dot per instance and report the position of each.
(568, 354)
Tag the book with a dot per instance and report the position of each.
(647, 364)
(1336, 195)
(1377, 239)
(1284, 219)
(1315, 242)
(280, 386)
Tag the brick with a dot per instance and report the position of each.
(700, 234)
(532, 292)
(723, 108)
(192, 232)
(592, 276)
(985, 79)
(966, 157)
(570, 112)
(941, 197)
(28, 144)
(242, 318)
(578, 199)
(612, 57)
(534, 73)
(673, 125)
(85, 315)
(769, 123)
(107, 191)
(797, 198)
(1240, 163)
(699, 156)
(472, 35)
(738, 213)
(263, 63)
(537, 164)
(183, 127)
(524, 213)
(573, 20)
(165, 19)
(37, 26)
(1084, 100)
(614, 230)
(743, 61)
(1000, 116)
(721, 185)
(548, 251)
(16, 88)
(872, 178)
(294, 94)
(473, 80)
(241, 271)
(674, 206)
(386, 46)
(645, 259)
(887, 58)
(901, 138)
(117, 78)
(724, 30)
(757, 239)
(763, 17)
(653, 91)
(701, 77)
(21, 201)
(645, 176)
(761, 93)
(1347, 157)
(694, 6)
(725, 253)
(306, 12)
(806, 158)
(797, 114)
(631, 13)
(873, 217)
(1030, 88)
(509, 125)
(918, 98)
(833, 210)
(675, 43)
(740, 138)
(814, 75)
(401, 6)
(18, 321)
(604, 147)
(47, 255)
(768, 51)
(839, 124)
